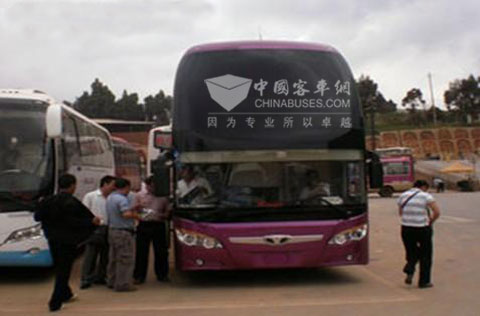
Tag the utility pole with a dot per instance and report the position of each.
(433, 100)
(372, 101)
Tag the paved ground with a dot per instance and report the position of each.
(357, 290)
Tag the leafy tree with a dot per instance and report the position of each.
(372, 99)
(158, 108)
(412, 100)
(441, 116)
(100, 103)
(97, 104)
(127, 107)
(463, 97)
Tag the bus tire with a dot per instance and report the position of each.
(386, 192)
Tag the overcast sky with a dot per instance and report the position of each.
(61, 46)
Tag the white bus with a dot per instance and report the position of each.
(41, 139)
(158, 138)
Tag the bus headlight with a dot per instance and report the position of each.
(32, 232)
(191, 239)
(353, 234)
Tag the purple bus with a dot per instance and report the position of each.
(269, 158)
(398, 170)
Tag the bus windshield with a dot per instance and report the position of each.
(266, 99)
(270, 184)
(396, 168)
(24, 154)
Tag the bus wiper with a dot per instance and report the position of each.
(344, 212)
(212, 214)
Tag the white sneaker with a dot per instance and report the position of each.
(73, 298)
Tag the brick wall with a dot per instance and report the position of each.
(448, 143)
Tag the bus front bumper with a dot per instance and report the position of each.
(189, 259)
(249, 254)
(41, 258)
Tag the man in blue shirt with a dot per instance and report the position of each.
(121, 237)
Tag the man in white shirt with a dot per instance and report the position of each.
(414, 208)
(97, 244)
(314, 187)
(192, 188)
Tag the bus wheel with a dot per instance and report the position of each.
(386, 192)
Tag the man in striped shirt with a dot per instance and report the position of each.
(418, 211)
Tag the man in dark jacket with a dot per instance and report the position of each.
(66, 223)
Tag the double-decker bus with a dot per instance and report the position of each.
(40, 140)
(398, 170)
(269, 158)
(128, 162)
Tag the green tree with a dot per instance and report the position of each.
(412, 100)
(127, 107)
(158, 108)
(372, 102)
(371, 98)
(97, 104)
(463, 97)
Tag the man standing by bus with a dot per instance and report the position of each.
(97, 244)
(121, 237)
(414, 208)
(66, 223)
(152, 229)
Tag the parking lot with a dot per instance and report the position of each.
(377, 288)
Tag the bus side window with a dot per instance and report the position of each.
(93, 149)
(71, 143)
(61, 157)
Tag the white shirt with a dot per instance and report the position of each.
(96, 202)
(184, 188)
(415, 212)
(320, 188)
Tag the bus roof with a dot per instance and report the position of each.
(27, 94)
(123, 122)
(248, 45)
(395, 158)
(394, 151)
(163, 128)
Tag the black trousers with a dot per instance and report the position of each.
(419, 248)
(96, 250)
(151, 233)
(63, 256)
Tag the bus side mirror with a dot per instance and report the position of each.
(162, 140)
(53, 121)
(375, 170)
(162, 175)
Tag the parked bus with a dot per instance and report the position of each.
(40, 140)
(269, 147)
(128, 162)
(158, 138)
(398, 170)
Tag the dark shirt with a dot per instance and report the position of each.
(65, 219)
